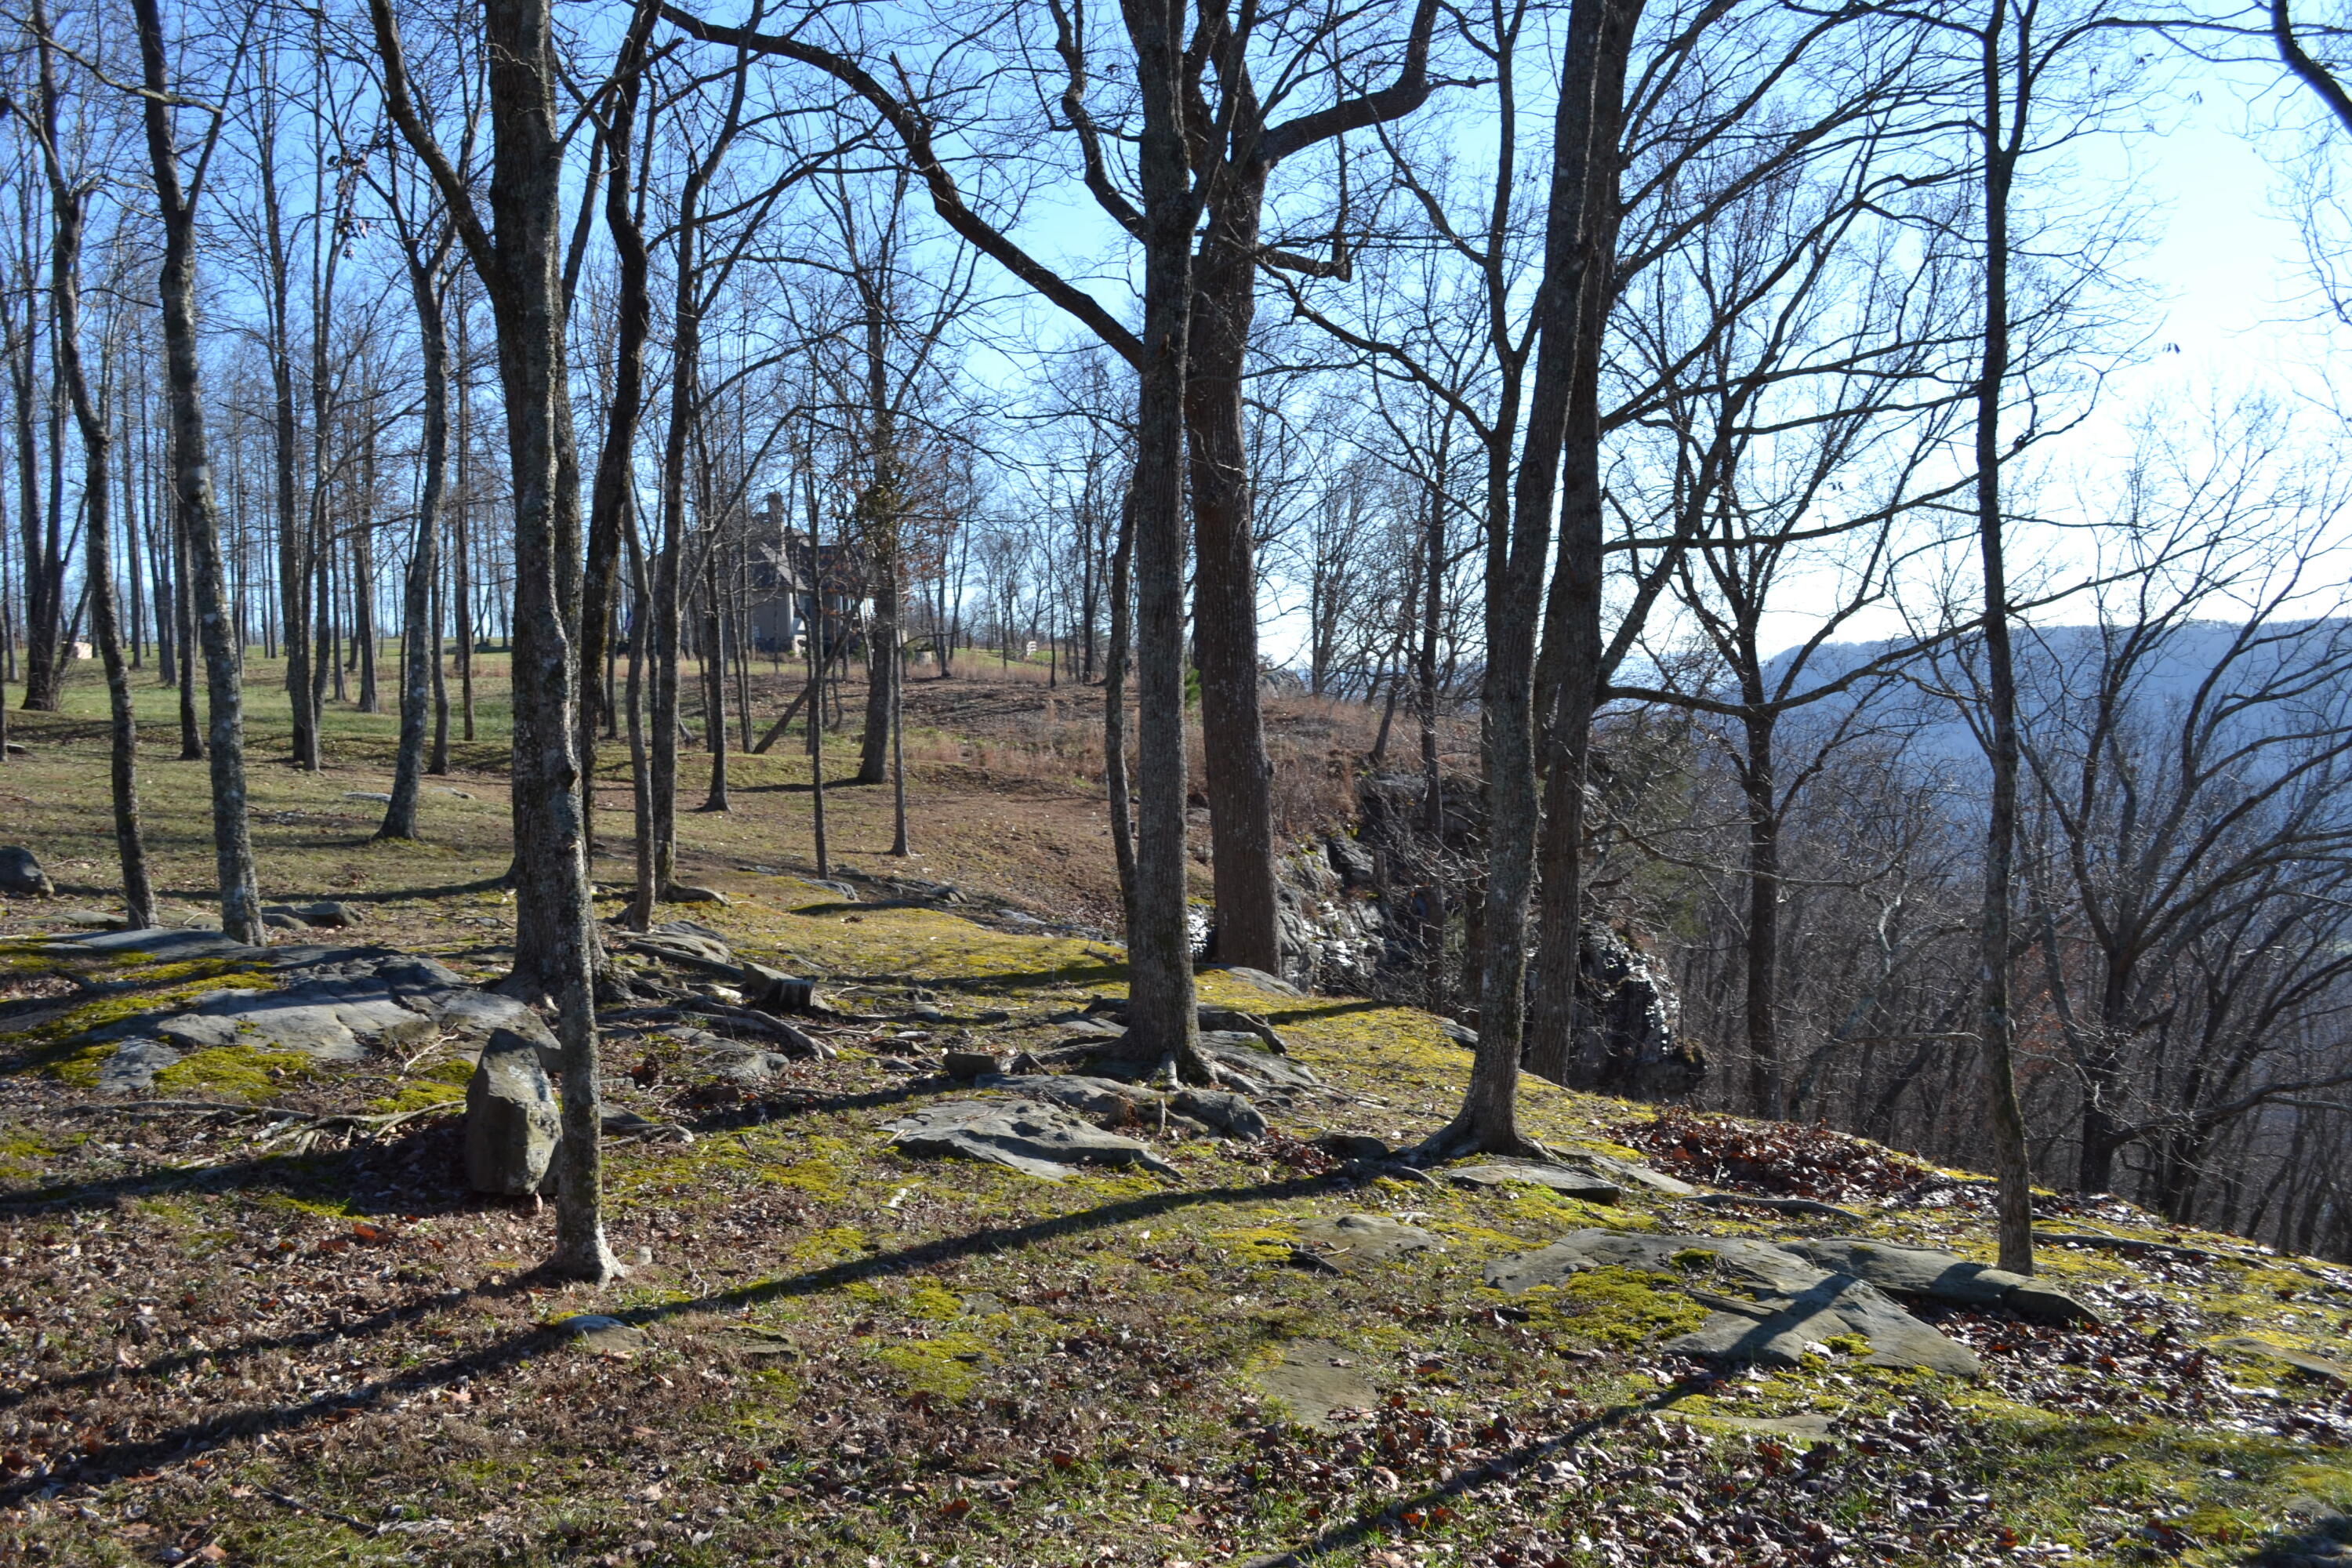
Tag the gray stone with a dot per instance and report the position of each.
(1232, 1020)
(1107, 1101)
(1461, 1035)
(681, 894)
(1039, 1140)
(132, 1067)
(328, 915)
(1273, 984)
(595, 1332)
(687, 943)
(1353, 1146)
(1628, 1173)
(1316, 1380)
(21, 875)
(2305, 1361)
(1806, 1429)
(379, 796)
(159, 944)
(1353, 1238)
(1234, 1052)
(1779, 1331)
(283, 919)
(1352, 862)
(1943, 1276)
(967, 1066)
(1230, 1114)
(1570, 1180)
(512, 1123)
(1795, 1304)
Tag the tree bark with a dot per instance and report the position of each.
(419, 656)
(2013, 1163)
(1567, 692)
(555, 943)
(240, 895)
(69, 206)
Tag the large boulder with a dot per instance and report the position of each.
(21, 875)
(1039, 1140)
(1230, 1114)
(1786, 1303)
(513, 1124)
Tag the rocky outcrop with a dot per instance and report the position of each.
(1772, 1302)
(1041, 1140)
(1367, 914)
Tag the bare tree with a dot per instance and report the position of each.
(517, 259)
(191, 478)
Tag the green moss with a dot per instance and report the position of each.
(934, 1302)
(1620, 1308)
(62, 1048)
(237, 1071)
(823, 1170)
(834, 1243)
(948, 1367)
(1257, 1244)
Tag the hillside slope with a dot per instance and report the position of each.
(240, 1337)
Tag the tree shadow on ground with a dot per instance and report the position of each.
(177, 1444)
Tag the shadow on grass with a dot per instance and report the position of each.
(177, 1444)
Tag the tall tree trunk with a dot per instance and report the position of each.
(1567, 685)
(69, 206)
(183, 611)
(44, 546)
(420, 659)
(555, 943)
(1224, 592)
(609, 506)
(2012, 1163)
(193, 483)
(1767, 1080)
(1488, 1119)
(1160, 1010)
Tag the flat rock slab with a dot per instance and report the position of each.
(1360, 1238)
(1777, 1331)
(1757, 1264)
(1628, 1173)
(2305, 1361)
(132, 1067)
(1316, 1380)
(337, 1004)
(1039, 1140)
(1258, 979)
(160, 944)
(1943, 1276)
(1795, 1303)
(1571, 1181)
(600, 1335)
(1104, 1100)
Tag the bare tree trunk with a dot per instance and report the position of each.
(183, 610)
(1566, 693)
(554, 942)
(43, 548)
(69, 206)
(610, 509)
(192, 482)
(1160, 1009)
(1115, 781)
(420, 661)
(2012, 1163)
(1514, 559)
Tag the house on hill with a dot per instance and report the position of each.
(790, 576)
